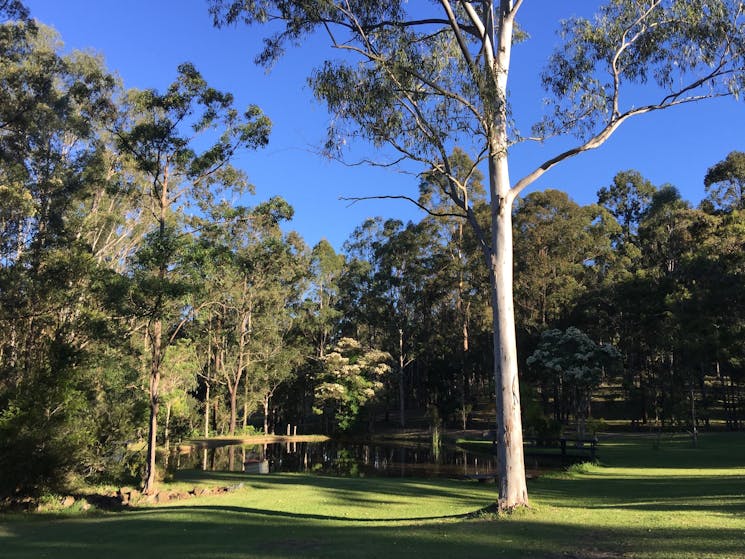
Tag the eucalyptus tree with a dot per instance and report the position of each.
(53, 108)
(557, 245)
(253, 289)
(394, 296)
(52, 111)
(672, 235)
(719, 277)
(13, 10)
(725, 183)
(401, 284)
(318, 324)
(627, 199)
(162, 134)
(420, 79)
(452, 239)
(326, 269)
(179, 377)
(279, 351)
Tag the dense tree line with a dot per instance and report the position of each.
(138, 305)
(414, 81)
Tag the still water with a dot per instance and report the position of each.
(341, 458)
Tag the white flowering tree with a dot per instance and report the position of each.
(352, 376)
(575, 364)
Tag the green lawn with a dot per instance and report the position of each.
(670, 502)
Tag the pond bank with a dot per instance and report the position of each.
(215, 442)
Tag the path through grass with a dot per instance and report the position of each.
(647, 503)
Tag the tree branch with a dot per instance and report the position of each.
(456, 31)
(421, 206)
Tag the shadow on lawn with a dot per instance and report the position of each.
(323, 517)
(674, 451)
(233, 532)
(724, 494)
(356, 489)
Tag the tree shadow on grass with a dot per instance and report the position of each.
(674, 451)
(724, 494)
(364, 490)
(233, 532)
(309, 516)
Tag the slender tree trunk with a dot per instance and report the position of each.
(207, 411)
(156, 356)
(401, 378)
(463, 309)
(245, 404)
(206, 421)
(157, 346)
(233, 389)
(266, 414)
(166, 429)
(243, 339)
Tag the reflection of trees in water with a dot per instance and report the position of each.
(337, 458)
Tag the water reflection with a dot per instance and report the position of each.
(340, 458)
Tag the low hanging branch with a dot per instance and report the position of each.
(355, 199)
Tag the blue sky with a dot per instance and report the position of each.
(145, 40)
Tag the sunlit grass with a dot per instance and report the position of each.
(649, 498)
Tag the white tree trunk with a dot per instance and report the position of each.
(513, 490)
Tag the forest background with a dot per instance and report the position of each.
(108, 271)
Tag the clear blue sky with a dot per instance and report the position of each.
(145, 40)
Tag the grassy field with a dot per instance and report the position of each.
(646, 500)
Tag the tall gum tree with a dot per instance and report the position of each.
(162, 134)
(421, 79)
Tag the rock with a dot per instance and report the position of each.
(154, 498)
(67, 501)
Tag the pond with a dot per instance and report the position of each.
(341, 458)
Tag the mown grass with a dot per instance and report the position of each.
(645, 500)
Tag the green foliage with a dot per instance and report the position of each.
(582, 468)
(628, 198)
(62, 398)
(670, 44)
(13, 9)
(561, 249)
(574, 363)
(250, 431)
(352, 377)
(536, 425)
(725, 183)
